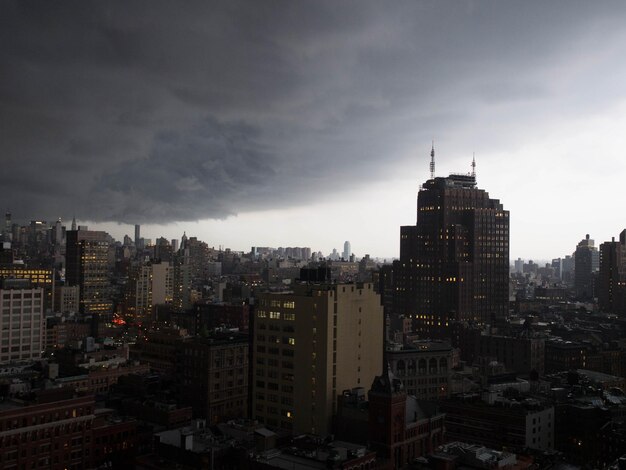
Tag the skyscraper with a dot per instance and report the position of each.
(454, 263)
(138, 237)
(584, 263)
(347, 250)
(87, 267)
(7, 231)
(612, 276)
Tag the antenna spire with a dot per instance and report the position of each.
(473, 165)
(432, 161)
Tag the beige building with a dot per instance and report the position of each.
(22, 325)
(424, 367)
(310, 345)
(67, 299)
(162, 283)
(149, 285)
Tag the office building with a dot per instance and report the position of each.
(454, 263)
(584, 262)
(66, 299)
(63, 434)
(38, 277)
(425, 368)
(22, 326)
(149, 284)
(612, 276)
(138, 298)
(213, 373)
(137, 236)
(347, 251)
(87, 267)
(310, 345)
(510, 424)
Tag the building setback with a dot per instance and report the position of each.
(309, 346)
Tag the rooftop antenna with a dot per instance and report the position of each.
(474, 165)
(432, 161)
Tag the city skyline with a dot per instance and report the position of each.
(311, 124)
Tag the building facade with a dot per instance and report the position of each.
(584, 260)
(22, 325)
(213, 373)
(612, 276)
(309, 346)
(424, 367)
(87, 267)
(454, 263)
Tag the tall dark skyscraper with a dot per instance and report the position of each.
(586, 262)
(454, 263)
(87, 267)
(612, 276)
(137, 235)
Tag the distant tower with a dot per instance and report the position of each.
(7, 227)
(74, 223)
(347, 250)
(137, 234)
(432, 162)
(58, 232)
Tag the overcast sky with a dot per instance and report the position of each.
(288, 123)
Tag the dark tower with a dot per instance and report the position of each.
(583, 268)
(454, 263)
(612, 276)
(87, 267)
(137, 235)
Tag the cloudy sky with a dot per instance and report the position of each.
(288, 123)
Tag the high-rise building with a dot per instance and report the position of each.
(21, 321)
(347, 251)
(612, 276)
(149, 284)
(137, 235)
(87, 267)
(584, 268)
(7, 233)
(454, 263)
(138, 296)
(310, 345)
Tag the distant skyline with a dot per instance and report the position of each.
(275, 124)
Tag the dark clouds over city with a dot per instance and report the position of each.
(173, 111)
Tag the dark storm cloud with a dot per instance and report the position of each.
(166, 111)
